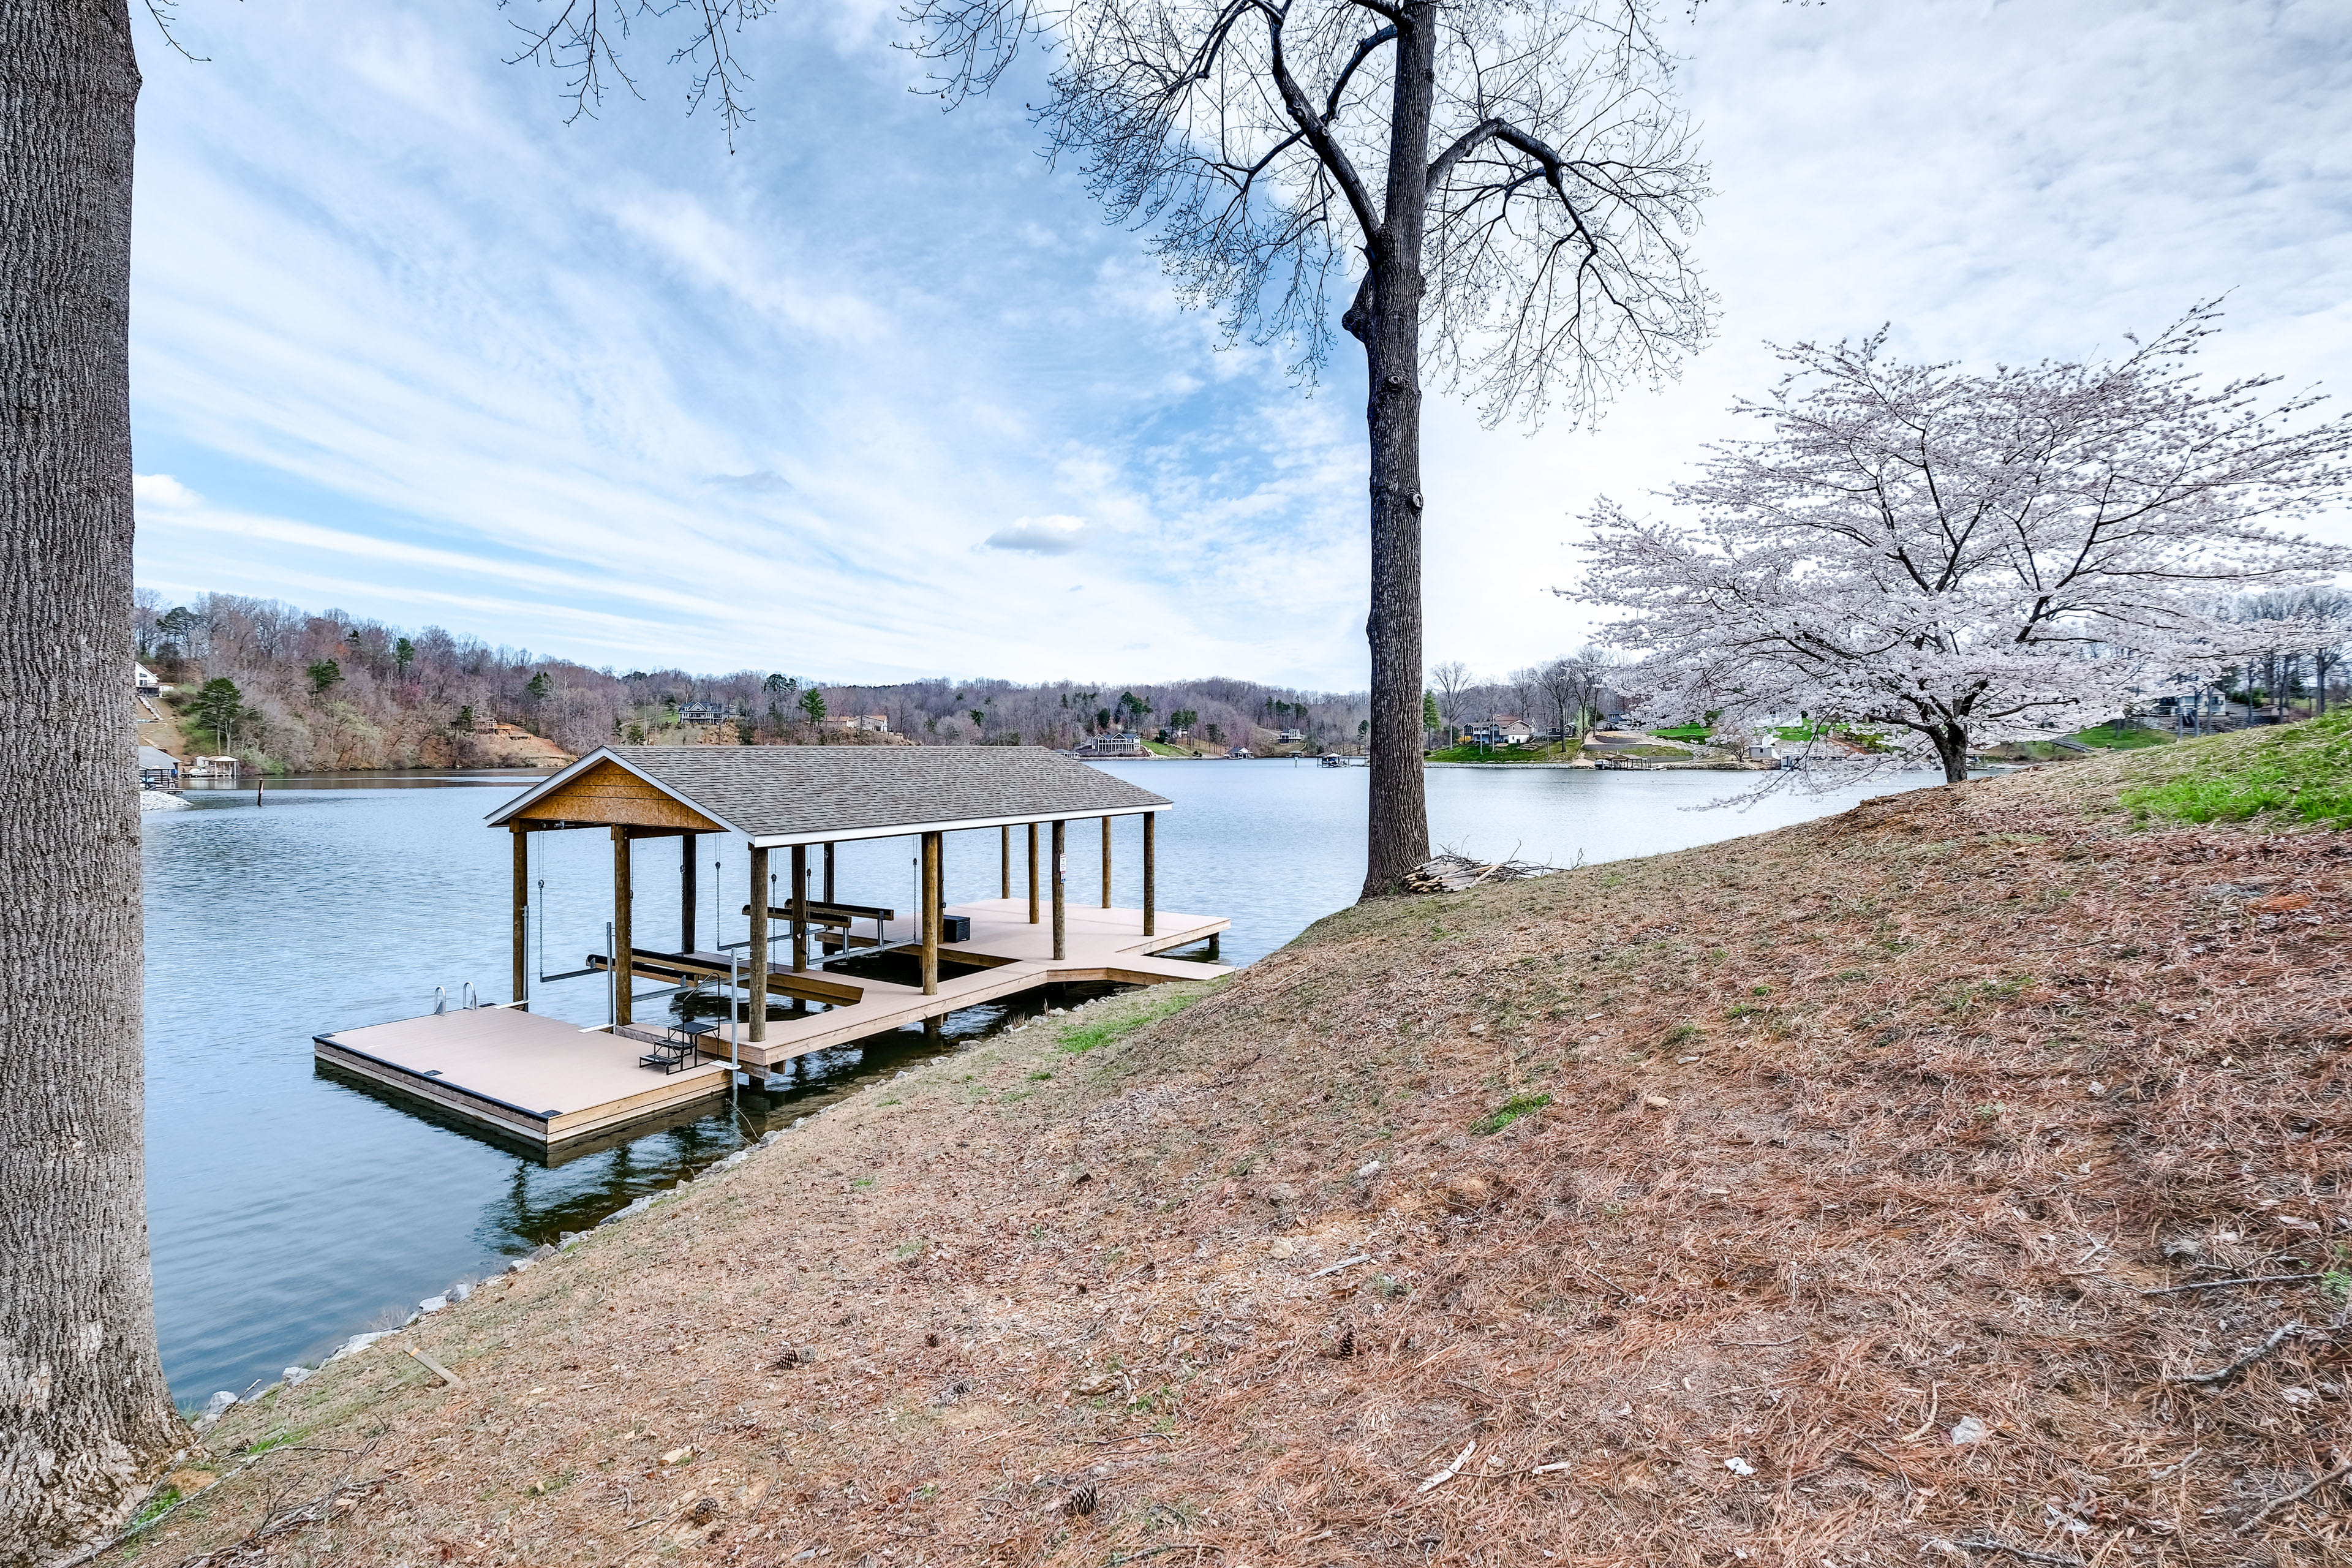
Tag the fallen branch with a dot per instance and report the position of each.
(2342, 1470)
(2019, 1552)
(2243, 1280)
(2278, 1337)
(1450, 1471)
(1343, 1263)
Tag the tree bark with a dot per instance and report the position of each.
(1386, 317)
(1952, 751)
(86, 1420)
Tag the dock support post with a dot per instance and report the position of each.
(800, 907)
(1061, 948)
(1005, 860)
(757, 951)
(1151, 875)
(521, 913)
(625, 934)
(1032, 873)
(1214, 945)
(931, 914)
(1105, 828)
(829, 875)
(686, 893)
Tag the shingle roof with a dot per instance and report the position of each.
(811, 793)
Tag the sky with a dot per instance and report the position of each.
(878, 395)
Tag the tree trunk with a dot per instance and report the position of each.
(1386, 317)
(1952, 751)
(86, 1420)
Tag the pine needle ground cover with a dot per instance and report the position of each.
(1953, 1180)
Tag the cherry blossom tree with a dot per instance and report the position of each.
(1940, 558)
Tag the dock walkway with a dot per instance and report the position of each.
(550, 1081)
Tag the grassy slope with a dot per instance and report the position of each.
(1854, 1130)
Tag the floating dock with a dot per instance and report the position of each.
(549, 1084)
(539, 1080)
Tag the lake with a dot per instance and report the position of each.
(288, 1210)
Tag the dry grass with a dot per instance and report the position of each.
(1856, 1130)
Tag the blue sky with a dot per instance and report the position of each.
(880, 395)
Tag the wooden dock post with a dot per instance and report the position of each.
(686, 893)
(931, 914)
(1032, 873)
(758, 984)
(625, 935)
(1005, 860)
(1105, 826)
(800, 907)
(828, 873)
(1061, 948)
(521, 913)
(1150, 873)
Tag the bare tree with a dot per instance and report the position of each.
(1451, 679)
(1504, 180)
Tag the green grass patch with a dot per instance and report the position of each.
(1093, 1036)
(2299, 771)
(1513, 1109)
(1693, 733)
(1500, 754)
(2120, 737)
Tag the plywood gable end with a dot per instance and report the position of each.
(609, 793)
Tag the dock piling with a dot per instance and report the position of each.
(1150, 870)
(1106, 836)
(1061, 859)
(759, 949)
(929, 915)
(623, 928)
(1032, 873)
(521, 913)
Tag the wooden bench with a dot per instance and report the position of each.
(800, 984)
(842, 917)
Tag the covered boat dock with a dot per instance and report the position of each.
(850, 971)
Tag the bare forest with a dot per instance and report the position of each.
(314, 692)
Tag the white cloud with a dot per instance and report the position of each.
(609, 392)
(162, 491)
(1039, 536)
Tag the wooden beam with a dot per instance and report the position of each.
(1061, 947)
(686, 894)
(758, 956)
(624, 931)
(1004, 860)
(1150, 873)
(1105, 826)
(828, 874)
(931, 915)
(1032, 873)
(800, 906)
(522, 915)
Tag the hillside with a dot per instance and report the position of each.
(1821, 1196)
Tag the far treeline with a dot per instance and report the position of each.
(284, 689)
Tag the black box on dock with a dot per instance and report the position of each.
(955, 928)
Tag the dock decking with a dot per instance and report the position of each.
(550, 1081)
(541, 1078)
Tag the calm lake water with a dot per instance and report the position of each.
(288, 1210)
